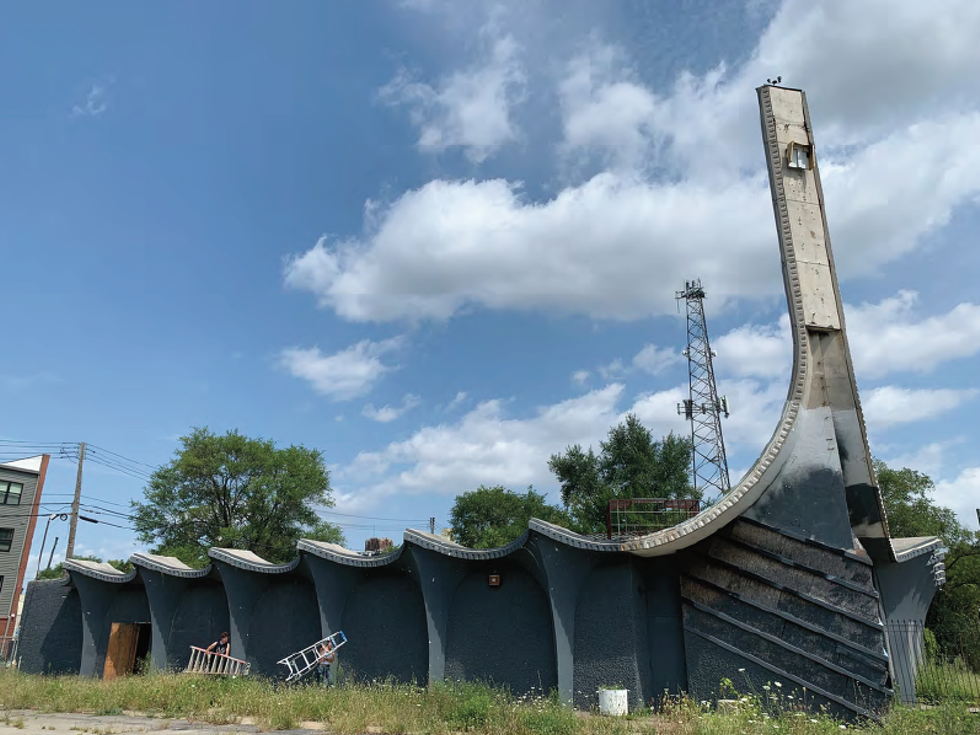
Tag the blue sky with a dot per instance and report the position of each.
(440, 241)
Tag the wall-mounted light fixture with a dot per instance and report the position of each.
(494, 580)
(799, 156)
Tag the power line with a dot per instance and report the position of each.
(99, 449)
(375, 518)
(105, 511)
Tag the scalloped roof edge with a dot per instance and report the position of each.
(904, 549)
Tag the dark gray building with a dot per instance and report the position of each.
(791, 577)
(21, 483)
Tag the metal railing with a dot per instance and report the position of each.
(928, 670)
(208, 662)
(637, 516)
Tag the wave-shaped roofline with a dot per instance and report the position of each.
(904, 548)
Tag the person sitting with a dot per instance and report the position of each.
(325, 657)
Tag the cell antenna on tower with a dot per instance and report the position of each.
(703, 408)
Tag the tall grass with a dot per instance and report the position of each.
(954, 680)
(444, 709)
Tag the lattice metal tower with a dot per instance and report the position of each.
(704, 408)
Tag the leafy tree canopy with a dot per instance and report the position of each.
(235, 492)
(630, 464)
(494, 516)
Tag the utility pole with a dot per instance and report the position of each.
(704, 408)
(51, 555)
(432, 526)
(70, 551)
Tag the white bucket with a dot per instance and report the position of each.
(613, 702)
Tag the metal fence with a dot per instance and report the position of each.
(927, 670)
(637, 516)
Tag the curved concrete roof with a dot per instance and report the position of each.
(167, 565)
(340, 555)
(99, 570)
(250, 561)
(449, 548)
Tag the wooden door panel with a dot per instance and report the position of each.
(121, 652)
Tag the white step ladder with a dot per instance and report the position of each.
(203, 661)
(302, 662)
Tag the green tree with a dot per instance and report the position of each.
(630, 464)
(911, 509)
(494, 516)
(235, 492)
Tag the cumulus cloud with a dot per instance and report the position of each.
(472, 108)
(605, 109)
(962, 494)
(890, 336)
(616, 246)
(655, 360)
(895, 124)
(886, 337)
(757, 350)
(343, 375)
(890, 405)
(388, 413)
(490, 445)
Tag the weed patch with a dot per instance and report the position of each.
(443, 709)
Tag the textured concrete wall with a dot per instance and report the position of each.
(285, 619)
(51, 629)
(608, 649)
(201, 615)
(665, 631)
(384, 621)
(501, 634)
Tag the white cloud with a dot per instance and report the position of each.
(488, 446)
(581, 377)
(604, 108)
(962, 494)
(754, 350)
(95, 102)
(612, 370)
(344, 375)
(886, 337)
(890, 405)
(454, 244)
(458, 400)
(471, 108)
(655, 360)
(616, 244)
(929, 459)
(387, 413)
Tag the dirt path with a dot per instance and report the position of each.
(26, 722)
